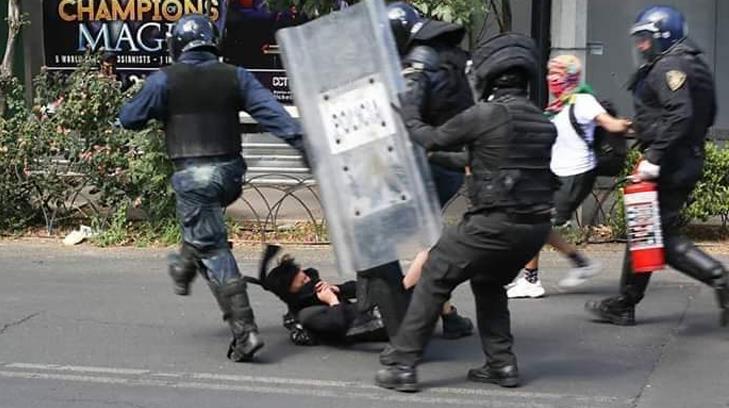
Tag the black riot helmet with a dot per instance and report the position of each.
(404, 21)
(192, 32)
(511, 55)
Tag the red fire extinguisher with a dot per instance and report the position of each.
(643, 221)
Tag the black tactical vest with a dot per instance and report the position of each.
(203, 111)
(518, 177)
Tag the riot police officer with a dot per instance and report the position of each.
(510, 187)
(432, 59)
(198, 99)
(675, 104)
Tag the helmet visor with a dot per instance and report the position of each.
(645, 48)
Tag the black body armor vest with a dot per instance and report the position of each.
(203, 111)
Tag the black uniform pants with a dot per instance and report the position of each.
(680, 253)
(489, 249)
(328, 322)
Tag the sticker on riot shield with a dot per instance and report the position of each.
(356, 114)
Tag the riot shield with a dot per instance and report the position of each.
(375, 185)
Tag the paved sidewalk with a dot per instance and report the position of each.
(89, 327)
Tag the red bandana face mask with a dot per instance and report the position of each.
(557, 86)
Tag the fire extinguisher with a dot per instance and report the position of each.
(643, 222)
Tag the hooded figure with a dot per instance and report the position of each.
(317, 310)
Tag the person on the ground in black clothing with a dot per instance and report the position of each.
(675, 105)
(319, 310)
(510, 187)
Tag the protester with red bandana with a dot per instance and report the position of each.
(574, 162)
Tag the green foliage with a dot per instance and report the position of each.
(63, 160)
(711, 196)
(456, 11)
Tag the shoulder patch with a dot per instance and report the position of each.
(675, 79)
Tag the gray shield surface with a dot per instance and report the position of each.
(375, 185)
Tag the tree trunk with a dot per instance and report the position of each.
(14, 25)
(506, 15)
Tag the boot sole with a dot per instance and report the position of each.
(455, 336)
(246, 357)
(618, 321)
(504, 382)
(399, 387)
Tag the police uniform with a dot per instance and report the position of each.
(437, 64)
(675, 105)
(431, 61)
(198, 99)
(510, 189)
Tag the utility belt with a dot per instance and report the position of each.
(183, 163)
(517, 217)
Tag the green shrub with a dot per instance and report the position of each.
(63, 161)
(711, 196)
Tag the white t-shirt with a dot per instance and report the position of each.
(570, 153)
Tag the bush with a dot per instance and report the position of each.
(64, 161)
(710, 198)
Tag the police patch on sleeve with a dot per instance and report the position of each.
(675, 79)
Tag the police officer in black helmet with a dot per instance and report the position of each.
(510, 188)
(198, 99)
(433, 60)
(675, 104)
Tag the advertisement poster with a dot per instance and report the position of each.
(134, 30)
(250, 42)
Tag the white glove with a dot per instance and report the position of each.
(647, 170)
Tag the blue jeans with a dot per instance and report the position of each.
(447, 182)
(202, 191)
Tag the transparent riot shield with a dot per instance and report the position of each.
(375, 184)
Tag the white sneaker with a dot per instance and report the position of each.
(522, 288)
(579, 275)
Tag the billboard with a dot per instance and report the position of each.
(133, 29)
(250, 42)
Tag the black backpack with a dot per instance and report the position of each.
(611, 149)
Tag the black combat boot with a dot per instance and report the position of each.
(616, 310)
(694, 262)
(297, 333)
(722, 295)
(398, 377)
(246, 341)
(456, 326)
(507, 376)
(182, 269)
(367, 326)
(223, 301)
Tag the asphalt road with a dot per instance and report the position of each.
(87, 327)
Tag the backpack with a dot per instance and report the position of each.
(611, 149)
